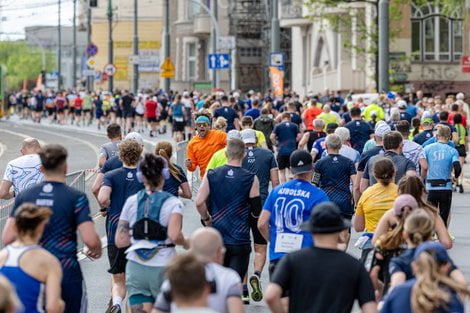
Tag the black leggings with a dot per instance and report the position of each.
(441, 199)
(238, 258)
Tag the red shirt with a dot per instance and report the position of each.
(78, 103)
(450, 120)
(151, 109)
(310, 115)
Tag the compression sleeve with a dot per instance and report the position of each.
(255, 204)
(457, 169)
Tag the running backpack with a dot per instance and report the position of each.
(147, 225)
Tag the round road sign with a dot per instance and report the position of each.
(110, 69)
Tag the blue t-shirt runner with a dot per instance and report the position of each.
(260, 161)
(440, 157)
(290, 205)
(286, 133)
(229, 114)
(333, 175)
(172, 184)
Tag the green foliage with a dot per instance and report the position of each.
(22, 62)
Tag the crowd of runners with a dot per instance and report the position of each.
(285, 178)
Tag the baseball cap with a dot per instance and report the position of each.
(331, 126)
(391, 95)
(248, 136)
(381, 129)
(438, 251)
(301, 162)
(402, 104)
(326, 218)
(403, 201)
(233, 134)
(136, 137)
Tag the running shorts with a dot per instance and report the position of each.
(117, 259)
(143, 282)
(257, 237)
(283, 161)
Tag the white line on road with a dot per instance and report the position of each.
(25, 136)
(3, 148)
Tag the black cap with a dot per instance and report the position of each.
(331, 126)
(326, 218)
(301, 162)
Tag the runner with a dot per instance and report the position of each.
(151, 115)
(298, 196)
(321, 278)
(310, 136)
(346, 150)
(230, 215)
(311, 114)
(462, 145)
(139, 114)
(203, 146)
(426, 134)
(177, 113)
(327, 116)
(335, 174)
(265, 124)
(441, 159)
(155, 218)
(118, 185)
(207, 244)
(71, 212)
(360, 131)
(22, 172)
(87, 108)
(78, 109)
(319, 145)
(31, 268)
(247, 123)
(127, 106)
(177, 184)
(60, 102)
(411, 150)
(262, 163)
(228, 113)
(285, 136)
(98, 110)
(110, 149)
(220, 157)
(254, 112)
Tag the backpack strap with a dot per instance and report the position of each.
(142, 197)
(155, 203)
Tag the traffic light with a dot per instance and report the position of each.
(93, 3)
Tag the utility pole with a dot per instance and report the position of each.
(136, 50)
(89, 79)
(74, 46)
(275, 28)
(383, 46)
(215, 77)
(166, 40)
(110, 42)
(59, 51)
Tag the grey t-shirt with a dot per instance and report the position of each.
(110, 149)
(402, 165)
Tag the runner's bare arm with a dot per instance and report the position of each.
(369, 307)
(304, 140)
(5, 192)
(90, 238)
(95, 189)
(185, 191)
(175, 224)
(364, 184)
(104, 196)
(263, 223)
(273, 298)
(234, 305)
(123, 234)
(274, 177)
(359, 223)
(9, 232)
(54, 302)
(423, 168)
(201, 198)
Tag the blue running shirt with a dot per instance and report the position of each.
(440, 157)
(70, 209)
(290, 205)
(260, 161)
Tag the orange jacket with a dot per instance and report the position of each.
(200, 150)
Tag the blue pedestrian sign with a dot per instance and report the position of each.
(91, 49)
(219, 61)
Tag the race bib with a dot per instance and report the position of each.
(178, 119)
(286, 243)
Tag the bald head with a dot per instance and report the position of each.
(30, 146)
(206, 242)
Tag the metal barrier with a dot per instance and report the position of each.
(181, 148)
(75, 179)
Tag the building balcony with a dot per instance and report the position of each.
(292, 14)
(201, 24)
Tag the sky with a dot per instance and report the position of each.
(15, 15)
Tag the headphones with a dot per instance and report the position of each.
(165, 171)
(211, 282)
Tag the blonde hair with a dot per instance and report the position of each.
(428, 293)
(220, 123)
(393, 239)
(8, 300)
(419, 226)
(165, 149)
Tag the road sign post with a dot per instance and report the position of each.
(168, 69)
(110, 70)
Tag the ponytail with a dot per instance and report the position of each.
(393, 239)
(165, 150)
(419, 226)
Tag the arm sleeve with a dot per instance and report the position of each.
(103, 152)
(82, 210)
(365, 290)
(457, 169)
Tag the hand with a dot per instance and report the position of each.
(104, 212)
(92, 254)
(208, 222)
(188, 162)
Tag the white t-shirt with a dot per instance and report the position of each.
(413, 152)
(228, 284)
(24, 172)
(171, 206)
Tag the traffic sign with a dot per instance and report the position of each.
(227, 42)
(110, 69)
(91, 49)
(219, 61)
(276, 59)
(168, 69)
(466, 64)
(91, 62)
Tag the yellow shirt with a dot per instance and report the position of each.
(260, 138)
(218, 159)
(374, 202)
(374, 107)
(328, 118)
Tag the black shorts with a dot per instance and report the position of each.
(71, 110)
(237, 258)
(151, 119)
(38, 109)
(283, 161)
(50, 111)
(257, 237)
(271, 269)
(163, 115)
(461, 150)
(178, 126)
(78, 112)
(127, 114)
(139, 115)
(60, 110)
(117, 259)
(86, 110)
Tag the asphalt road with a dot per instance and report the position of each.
(83, 144)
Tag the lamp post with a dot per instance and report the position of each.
(110, 43)
(383, 46)
(166, 40)
(135, 85)
(59, 49)
(74, 45)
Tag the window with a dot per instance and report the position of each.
(191, 73)
(251, 52)
(194, 8)
(436, 33)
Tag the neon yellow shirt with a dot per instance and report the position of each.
(328, 118)
(218, 159)
(374, 107)
(261, 138)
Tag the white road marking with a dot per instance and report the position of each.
(3, 148)
(21, 135)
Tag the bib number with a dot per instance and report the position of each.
(286, 243)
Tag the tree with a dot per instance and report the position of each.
(22, 62)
